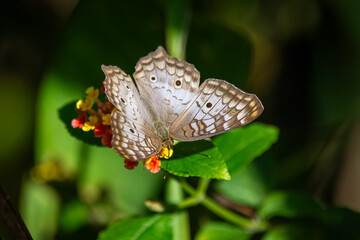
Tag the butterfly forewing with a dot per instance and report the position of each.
(219, 107)
(123, 94)
(133, 134)
(166, 84)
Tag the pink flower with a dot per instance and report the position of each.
(79, 122)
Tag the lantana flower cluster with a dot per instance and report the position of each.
(94, 115)
(97, 120)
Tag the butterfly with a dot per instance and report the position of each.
(169, 105)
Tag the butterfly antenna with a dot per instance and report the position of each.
(205, 155)
(167, 163)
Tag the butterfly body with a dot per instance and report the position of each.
(169, 104)
(162, 131)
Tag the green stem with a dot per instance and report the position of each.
(176, 30)
(177, 25)
(198, 196)
(173, 195)
(250, 224)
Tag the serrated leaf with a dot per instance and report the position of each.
(157, 226)
(200, 159)
(67, 113)
(221, 230)
(290, 205)
(240, 146)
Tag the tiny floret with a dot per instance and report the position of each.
(153, 164)
(166, 153)
(106, 119)
(92, 93)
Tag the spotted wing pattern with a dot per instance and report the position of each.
(131, 140)
(123, 94)
(166, 84)
(133, 134)
(219, 107)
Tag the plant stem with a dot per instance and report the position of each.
(177, 25)
(177, 22)
(250, 224)
(173, 195)
(198, 196)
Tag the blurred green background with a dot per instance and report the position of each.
(300, 57)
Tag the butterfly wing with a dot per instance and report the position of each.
(166, 84)
(133, 134)
(131, 140)
(218, 107)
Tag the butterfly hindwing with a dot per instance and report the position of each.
(219, 107)
(131, 140)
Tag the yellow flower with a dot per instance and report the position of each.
(79, 104)
(92, 93)
(48, 171)
(90, 125)
(166, 153)
(86, 105)
(106, 119)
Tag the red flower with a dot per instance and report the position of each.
(100, 130)
(79, 122)
(130, 164)
(153, 164)
(106, 139)
(107, 107)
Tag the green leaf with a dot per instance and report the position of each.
(200, 159)
(240, 146)
(157, 226)
(221, 230)
(249, 186)
(290, 205)
(68, 113)
(53, 141)
(39, 208)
